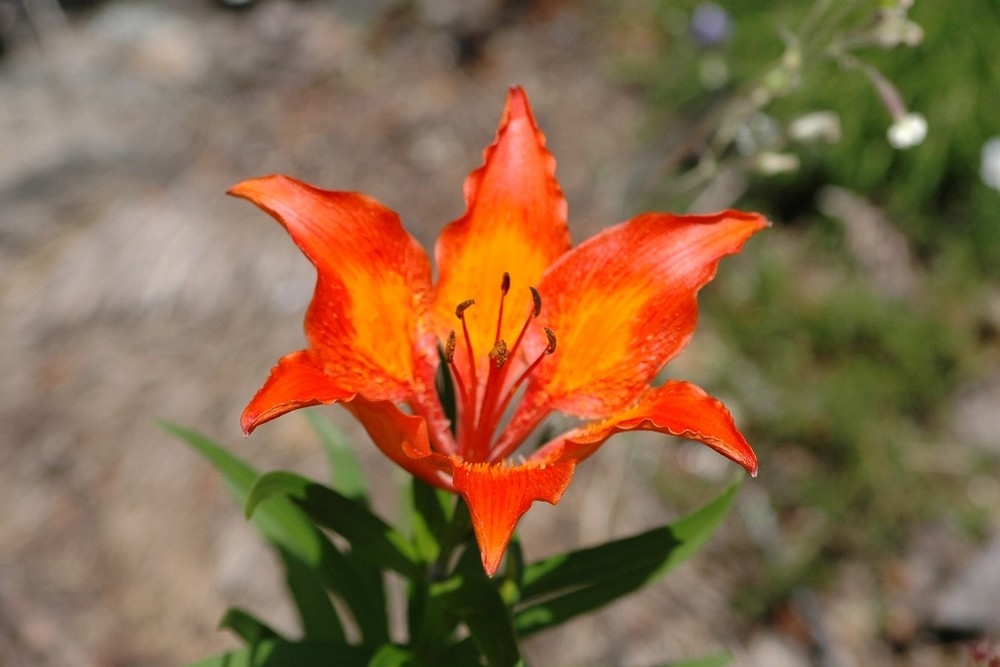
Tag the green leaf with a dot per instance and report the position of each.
(390, 655)
(306, 552)
(347, 476)
(476, 601)
(446, 389)
(370, 537)
(513, 575)
(432, 513)
(462, 653)
(247, 626)
(561, 587)
(274, 653)
(720, 660)
(346, 473)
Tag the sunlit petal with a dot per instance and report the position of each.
(298, 381)
(677, 408)
(498, 495)
(515, 222)
(624, 303)
(368, 318)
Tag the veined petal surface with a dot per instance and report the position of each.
(498, 495)
(681, 409)
(624, 303)
(368, 320)
(515, 222)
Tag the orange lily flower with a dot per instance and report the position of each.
(526, 323)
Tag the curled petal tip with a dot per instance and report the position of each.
(253, 187)
(242, 189)
(517, 104)
(248, 423)
(516, 92)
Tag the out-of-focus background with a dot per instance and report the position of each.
(857, 341)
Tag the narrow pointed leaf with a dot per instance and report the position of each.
(476, 601)
(390, 655)
(348, 477)
(306, 552)
(313, 565)
(346, 474)
(561, 587)
(275, 653)
(247, 627)
(431, 517)
(462, 653)
(513, 576)
(370, 537)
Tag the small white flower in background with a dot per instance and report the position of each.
(908, 130)
(989, 166)
(895, 29)
(815, 126)
(771, 163)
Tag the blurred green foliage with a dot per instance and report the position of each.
(846, 389)
(952, 77)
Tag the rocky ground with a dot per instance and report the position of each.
(132, 289)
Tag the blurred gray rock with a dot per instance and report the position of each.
(969, 604)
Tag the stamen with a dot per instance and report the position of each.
(460, 314)
(549, 349)
(449, 348)
(499, 353)
(536, 309)
(483, 410)
(504, 288)
(536, 300)
(449, 356)
(552, 340)
(462, 307)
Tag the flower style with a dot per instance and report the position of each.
(525, 324)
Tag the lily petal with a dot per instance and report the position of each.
(298, 381)
(677, 408)
(368, 321)
(498, 495)
(403, 439)
(624, 303)
(515, 222)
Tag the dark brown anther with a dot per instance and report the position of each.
(449, 348)
(499, 353)
(536, 300)
(552, 340)
(505, 284)
(462, 307)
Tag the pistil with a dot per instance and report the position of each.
(481, 414)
